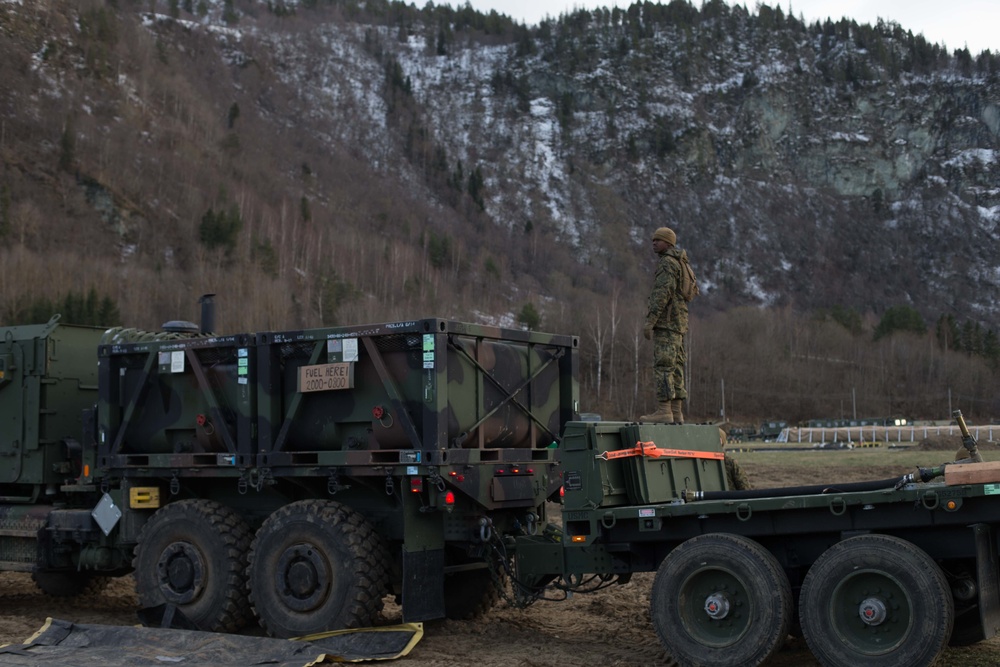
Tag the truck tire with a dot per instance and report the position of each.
(470, 594)
(876, 600)
(721, 600)
(60, 584)
(316, 565)
(192, 554)
(968, 629)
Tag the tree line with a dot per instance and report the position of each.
(745, 364)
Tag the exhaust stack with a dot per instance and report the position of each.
(207, 302)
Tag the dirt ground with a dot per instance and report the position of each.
(610, 628)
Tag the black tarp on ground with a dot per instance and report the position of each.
(74, 644)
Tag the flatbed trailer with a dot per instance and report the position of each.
(887, 572)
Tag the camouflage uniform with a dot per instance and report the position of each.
(736, 478)
(668, 315)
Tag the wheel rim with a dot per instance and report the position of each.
(303, 577)
(871, 612)
(181, 573)
(715, 607)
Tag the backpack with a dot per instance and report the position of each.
(689, 284)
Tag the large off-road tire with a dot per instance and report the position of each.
(878, 601)
(470, 594)
(61, 584)
(192, 554)
(721, 600)
(968, 629)
(316, 565)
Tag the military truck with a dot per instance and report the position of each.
(298, 478)
(770, 430)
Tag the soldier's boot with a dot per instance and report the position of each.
(676, 407)
(663, 414)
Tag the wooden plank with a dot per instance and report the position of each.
(972, 473)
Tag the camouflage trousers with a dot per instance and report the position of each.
(669, 359)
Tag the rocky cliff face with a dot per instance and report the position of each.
(811, 165)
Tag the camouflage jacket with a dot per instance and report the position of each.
(667, 309)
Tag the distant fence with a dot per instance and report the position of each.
(909, 434)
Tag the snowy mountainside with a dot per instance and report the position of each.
(801, 165)
(789, 181)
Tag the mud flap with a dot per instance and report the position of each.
(988, 580)
(423, 585)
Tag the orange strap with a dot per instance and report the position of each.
(652, 451)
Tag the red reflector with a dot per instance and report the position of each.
(562, 491)
(531, 471)
(500, 472)
(416, 484)
(453, 473)
(449, 498)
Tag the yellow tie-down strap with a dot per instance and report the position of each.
(652, 451)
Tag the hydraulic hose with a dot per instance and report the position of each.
(922, 474)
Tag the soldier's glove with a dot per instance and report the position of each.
(647, 332)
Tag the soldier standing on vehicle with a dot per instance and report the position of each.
(666, 325)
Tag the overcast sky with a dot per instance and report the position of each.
(955, 23)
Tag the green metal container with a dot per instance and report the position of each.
(423, 385)
(333, 397)
(595, 476)
(174, 402)
(48, 377)
(651, 480)
(588, 481)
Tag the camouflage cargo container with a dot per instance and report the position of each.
(424, 438)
